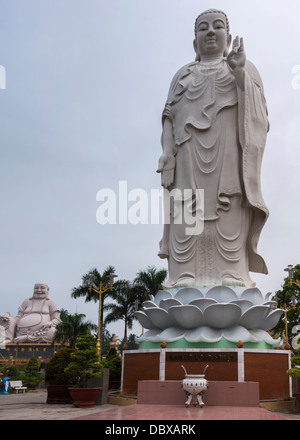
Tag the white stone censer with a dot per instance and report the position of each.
(194, 386)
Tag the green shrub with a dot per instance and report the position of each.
(32, 367)
(84, 361)
(32, 377)
(294, 372)
(10, 371)
(295, 361)
(55, 368)
(114, 363)
(31, 382)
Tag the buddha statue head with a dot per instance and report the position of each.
(212, 34)
(40, 291)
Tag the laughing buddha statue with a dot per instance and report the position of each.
(36, 320)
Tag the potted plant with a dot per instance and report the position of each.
(83, 366)
(57, 380)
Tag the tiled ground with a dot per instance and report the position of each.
(174, 412)
(33, 406)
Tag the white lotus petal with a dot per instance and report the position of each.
(173, 291)
(253, 337)
(268, 296)
(169, 302)
(270, 303)
(172, 334)
(144, 320)
(236, 334)
(154, 337)
(160, 318)
(204, 333)
(187, 316)
(222, 294)
(202, 303)
(244, 304)
(188, 294)
(238, 290)
(262, 335)
(271, 320)
(148, 304)
(150, 334)
(253, 317)
(205, 289)
(222, 315)
(162, 294)
(254, 295)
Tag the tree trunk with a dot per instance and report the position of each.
(125, 332)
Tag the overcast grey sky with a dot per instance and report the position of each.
(86, 82)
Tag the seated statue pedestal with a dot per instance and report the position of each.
(21, 353)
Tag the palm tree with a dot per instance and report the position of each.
(90, 295)
(83, 289)
(123, 309)
(71, 327)
(149, 282)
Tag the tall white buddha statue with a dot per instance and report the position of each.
(215, 125)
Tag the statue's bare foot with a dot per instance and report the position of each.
(184, 282)
(232, 282)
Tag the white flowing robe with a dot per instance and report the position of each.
(219, 137)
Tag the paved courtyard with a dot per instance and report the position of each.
(33, 406)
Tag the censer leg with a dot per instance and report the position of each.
(187, 403)
(199, 398)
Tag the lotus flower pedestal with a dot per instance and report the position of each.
(209, 316)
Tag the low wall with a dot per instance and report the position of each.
(219, 393)
(266, 367)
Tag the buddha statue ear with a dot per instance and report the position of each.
(195, 49)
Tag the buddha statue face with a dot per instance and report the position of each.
(212, 36)
(40, 291)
